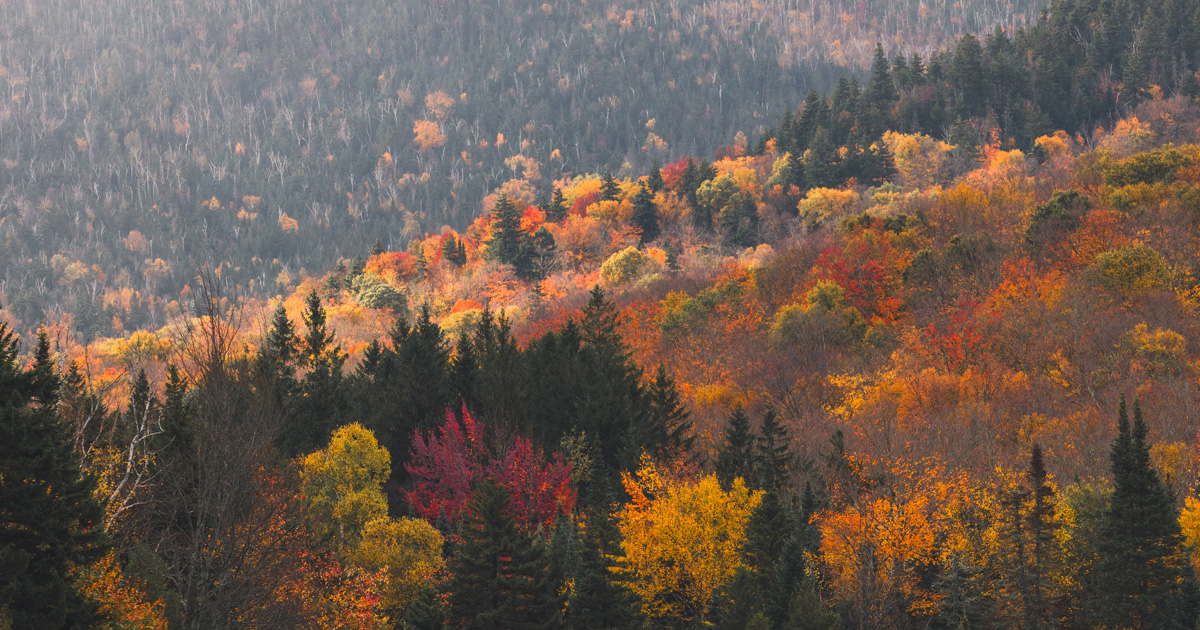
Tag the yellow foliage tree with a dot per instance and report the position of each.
(409, 550)
(343, 484)
(682, 540)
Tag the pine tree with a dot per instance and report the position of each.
(501, 576)
(775, 458)
(610, 190)
(505, 240)
(600, 601)
(50, 518)
(671, 425)
(655, 180)
(736, 458)
(1145, 579)
(558, 207)
(645, 215)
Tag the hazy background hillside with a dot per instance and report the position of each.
(138, 141)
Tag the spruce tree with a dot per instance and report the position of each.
(1145, 579)
(427, 612)
(736, 459)
(655, 179)
(645, 215)
(49, 517)
(775, 458)
(558, 207)
(502, 578)
(600, 601)
(670, 423)
(504, 242)
(610, 190)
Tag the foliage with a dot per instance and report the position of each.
(682, 540)
(342, 484)
(449, 468)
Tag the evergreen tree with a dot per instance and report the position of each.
(654, 180)
(736, 459)
(377, 248)
(600, 601)
(671, 425)
(427, 612)
(464, 371)
(319, 402)
(1145, 579)
(645, 215)
(501, 577)
(558, 207)
(967, 76)
(49, 517)
(775, 458)
(504, 241)
(610, 190)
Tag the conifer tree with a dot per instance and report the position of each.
(610, 190)
(655, 179)
(775, 458)
(427, 612)
(49, 517)
(600, 601)
(670, 422)
(736, 458)
(645, 215)
(558, 207)
(504, 242)
(1145, 579)
(502, 578)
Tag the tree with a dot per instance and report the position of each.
(319, 401)
(504, 237)
(610, 190)
(1145, 579)
(501, 576)
(343, 484)
(50, 519)
(600, 601)
(682, 541)
(669, 422)
(645, 215)
(775, 458)
(654, 181)
(736, 459)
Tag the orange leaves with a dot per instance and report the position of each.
(439, 104)
(428, 135)
(392, 266)
(288, 224)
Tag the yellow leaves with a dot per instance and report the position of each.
(1189, 521)
(1057, 145)
(343, 483)
(823, 204)
(920, 160)
(409, 550)
(682, 539)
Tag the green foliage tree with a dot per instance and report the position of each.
(1144, 578)
(501, 577)
(737, 458)
(51, 521)
(645, 214)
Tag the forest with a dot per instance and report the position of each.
(916, 351)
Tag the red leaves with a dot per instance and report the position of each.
(449, 466)
(867, 270)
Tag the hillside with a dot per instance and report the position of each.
(919, 353)
(139, 144)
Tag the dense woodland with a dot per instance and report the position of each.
(268, 136)
(920, 352)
